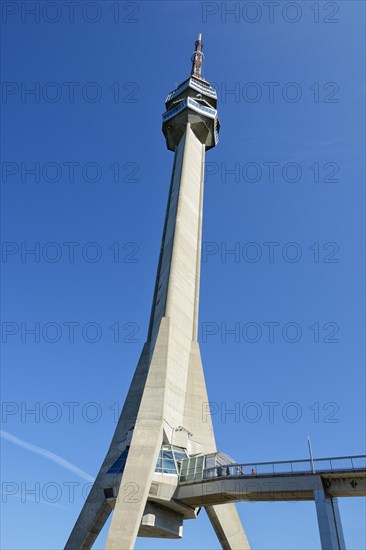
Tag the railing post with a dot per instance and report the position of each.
(311, 455)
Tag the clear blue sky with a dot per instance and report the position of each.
(293, 131)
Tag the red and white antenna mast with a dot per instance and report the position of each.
(197, 58)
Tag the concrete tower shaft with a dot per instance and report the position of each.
(176, 292)
(190, 126)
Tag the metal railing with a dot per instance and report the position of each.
(355, 463)
(168, 114)
(188, 101)
(206, 89)
(216, 132)
(178, 90)
(206, 110)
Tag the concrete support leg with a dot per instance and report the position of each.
(96, 509)
(143, 454)
(94, 514)
(134, 488)
(329, 521)
(227, 525)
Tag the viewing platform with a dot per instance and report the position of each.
(217, 479)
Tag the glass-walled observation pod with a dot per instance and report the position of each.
(192, 470)
(170, 460)
(196, 468)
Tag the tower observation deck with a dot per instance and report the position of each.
(194, 101)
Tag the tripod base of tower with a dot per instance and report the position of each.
(225, 520)
(139, 477)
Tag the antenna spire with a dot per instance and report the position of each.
(197, 58)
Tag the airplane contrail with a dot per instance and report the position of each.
(46, 454)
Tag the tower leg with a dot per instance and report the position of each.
(96, 508)
(144, 450)
(90, 522)
(329, 521)
(134, 488)
(224, 517)
(225, 520)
